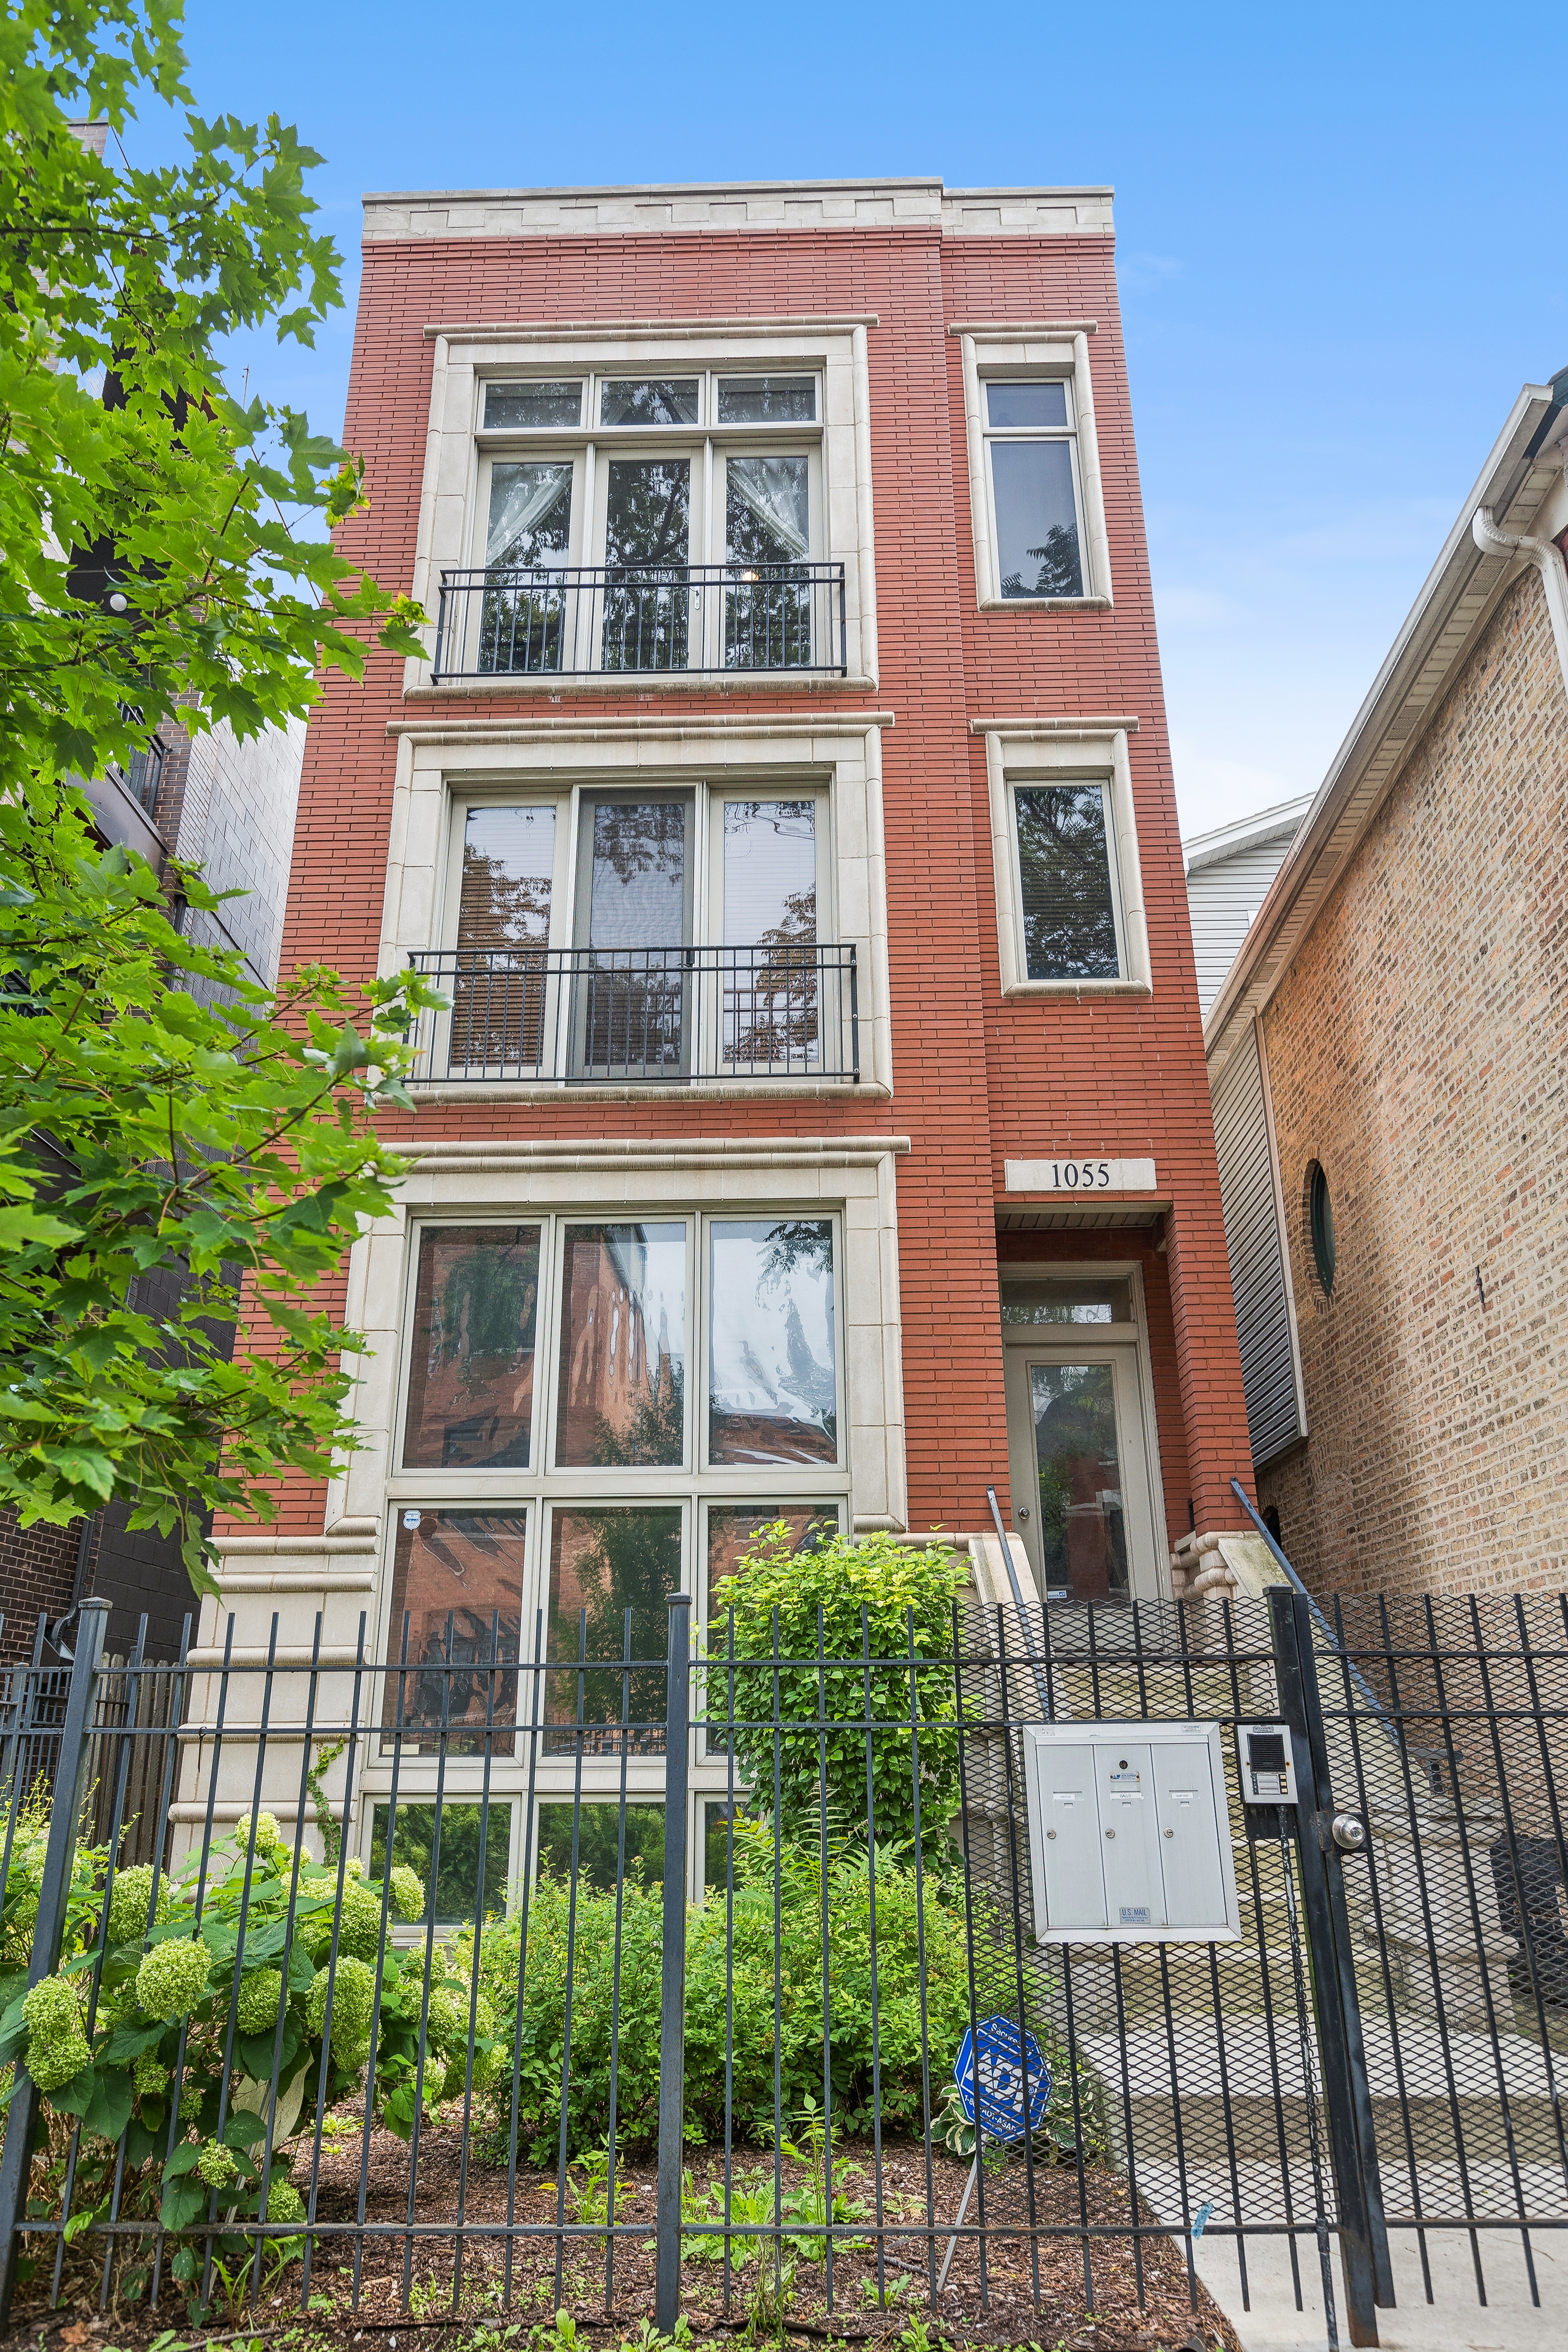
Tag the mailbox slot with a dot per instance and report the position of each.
(1130, 1833)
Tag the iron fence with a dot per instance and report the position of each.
(562, 620)
(656, 1016)
(740, 1916)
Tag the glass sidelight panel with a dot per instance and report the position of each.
(470, 1378)
(1082, 1520)
(501, 1017)
(611, 1573)
(773, 1379)
(457, 1603)
(623, 1347)
(647, 547)
(632, 1009)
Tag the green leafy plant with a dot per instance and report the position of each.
(847, 1596)
(169, 553)
(176, 1988)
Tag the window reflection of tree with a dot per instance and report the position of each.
(1069, 925)
(647, 592)
(624, 1564)
(1082, 1525)
(1060, 572)
(457, 1661)
(772, 1001)
(497, 995)
(471, 1389)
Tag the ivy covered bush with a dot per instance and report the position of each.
(178, 1994)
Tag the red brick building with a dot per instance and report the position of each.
(821, 1125)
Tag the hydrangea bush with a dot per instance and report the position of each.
(234, 1961)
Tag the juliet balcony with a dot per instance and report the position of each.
(699, 619)
(640, 1016)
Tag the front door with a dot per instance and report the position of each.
(1082, 1492)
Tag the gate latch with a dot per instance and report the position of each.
(1349, 1832)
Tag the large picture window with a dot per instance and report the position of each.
(539, 1526)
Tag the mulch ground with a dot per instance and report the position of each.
(1026, 2287)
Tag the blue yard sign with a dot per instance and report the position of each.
(989, 2070)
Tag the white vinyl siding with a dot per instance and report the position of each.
(1222, 901)
(1260, 1271)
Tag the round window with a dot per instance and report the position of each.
(1320, 1217)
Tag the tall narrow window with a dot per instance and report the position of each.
(499, 989)
(1031, 445)
(648, 546)
(771, 986)
(1066, 882)
(623, 1347)
(773, 1375)
(767, 529)
(631, 1015)
(470, 1380)
(523, 613)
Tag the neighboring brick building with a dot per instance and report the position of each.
(789, 809)
(227, 807)
(1395, 1159)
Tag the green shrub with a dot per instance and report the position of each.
(898, 1600)
(798, 1944)
(163, 1980)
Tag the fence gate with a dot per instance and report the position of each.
(1238, 1931)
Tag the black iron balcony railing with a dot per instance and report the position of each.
(667, 1016)
(561, 621)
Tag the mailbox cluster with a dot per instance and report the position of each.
(1130, 1833)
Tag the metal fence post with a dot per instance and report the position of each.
(1358, 2188)
(65, 1811)
(672, 2013)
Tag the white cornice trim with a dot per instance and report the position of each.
(1022, 329)
(627, 331)
(501, 1156)
(749, 726)
(1457, 600)
(1028, 729)
(738, 207)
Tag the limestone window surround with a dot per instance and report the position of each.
(467, 357)
(1061, 751)
(1059, 347)
(441, 765)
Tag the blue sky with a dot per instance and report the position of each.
(1340, 239)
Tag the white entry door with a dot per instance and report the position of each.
(1083, 1489)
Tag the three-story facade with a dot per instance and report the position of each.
(819, 1130)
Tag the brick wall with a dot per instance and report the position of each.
(1416, 1050)
(978, 1077)
(37, 1566)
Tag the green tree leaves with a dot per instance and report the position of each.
(166, 551)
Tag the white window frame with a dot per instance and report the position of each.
(1022, 354)
(1025, 752)
(454, 499)
(736, 756)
